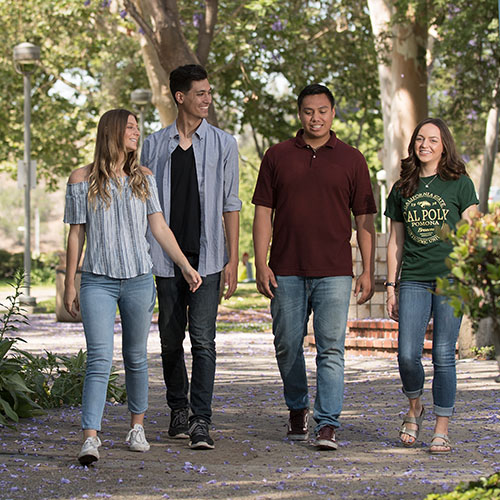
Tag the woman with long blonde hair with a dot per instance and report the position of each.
(111, 203)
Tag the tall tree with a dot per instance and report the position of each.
(465, 78)
(88, 63)
(400, 31)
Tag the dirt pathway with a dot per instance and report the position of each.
(252, 459)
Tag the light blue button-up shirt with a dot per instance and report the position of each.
(216, 158)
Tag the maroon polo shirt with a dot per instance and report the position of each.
(313, 194)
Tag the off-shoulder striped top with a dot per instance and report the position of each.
(116, 236)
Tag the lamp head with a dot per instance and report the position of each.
(141, 97)
(26, 55)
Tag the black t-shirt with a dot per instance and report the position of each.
(185, 201)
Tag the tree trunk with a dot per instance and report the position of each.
(165, 47)
(490, 150)
(158, 80)
(403, 79)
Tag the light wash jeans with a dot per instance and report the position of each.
(294, 299)
(417, 303)
(99, 297)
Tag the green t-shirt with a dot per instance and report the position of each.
(442, 202)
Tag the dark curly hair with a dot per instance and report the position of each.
(451, 166)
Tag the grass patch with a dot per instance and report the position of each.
(49, 305)
(226, 326)
(245, 297)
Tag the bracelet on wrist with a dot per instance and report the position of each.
(390, 283)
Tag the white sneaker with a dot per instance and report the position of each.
(89, 452)
(137, 439)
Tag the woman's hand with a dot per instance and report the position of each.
(393, 307)
(71, 302)
(192, 276)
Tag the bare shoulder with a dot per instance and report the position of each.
(146, 171)
(79, 175)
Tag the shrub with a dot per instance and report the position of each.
(58, 380)
(15, 397)
(43, 268)
(483, 489)
(475, 267)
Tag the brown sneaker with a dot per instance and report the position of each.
(325, 438)
(297, 425)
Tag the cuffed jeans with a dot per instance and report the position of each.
(417, 303)
(178, 305)
(99, 297)
(294, 299)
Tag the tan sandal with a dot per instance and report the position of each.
(411, 432)
(446, 444)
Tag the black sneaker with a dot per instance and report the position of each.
(179, 424)
(199, 437)
(298, 424)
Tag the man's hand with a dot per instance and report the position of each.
(365, 284)
(230, 279)
(265, 278)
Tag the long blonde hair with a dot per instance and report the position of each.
(109, 150)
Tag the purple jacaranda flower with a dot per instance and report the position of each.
(472, 115)
(86, 3)
(123, 14)
(197, 19)
(277, 25)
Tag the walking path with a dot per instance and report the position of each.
(252, 459)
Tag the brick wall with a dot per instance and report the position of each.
(375, 308)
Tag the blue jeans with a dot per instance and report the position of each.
(294, 299)
(99, 297)
(417, 303)
(177, 304)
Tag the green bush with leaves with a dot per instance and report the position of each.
(43, 268)
(475, 267)
(57, 380)
(484, 489)
(16, 399)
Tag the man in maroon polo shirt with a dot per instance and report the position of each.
(305, 193)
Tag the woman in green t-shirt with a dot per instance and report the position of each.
(434, 189)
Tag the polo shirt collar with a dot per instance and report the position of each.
(299, 140)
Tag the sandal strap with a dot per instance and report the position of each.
(444, 437)
(414, 420)
(411, 432)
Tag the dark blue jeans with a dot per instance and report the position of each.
(417, 303)
(178, 306)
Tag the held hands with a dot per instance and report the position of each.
(265, 279)
(192, 276)
(364, 285)
(71, 302)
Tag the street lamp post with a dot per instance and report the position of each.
(26, 55)
(141, 98)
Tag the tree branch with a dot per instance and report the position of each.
(137, 17)
(206, 31)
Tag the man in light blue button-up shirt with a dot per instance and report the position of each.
(196, 170)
